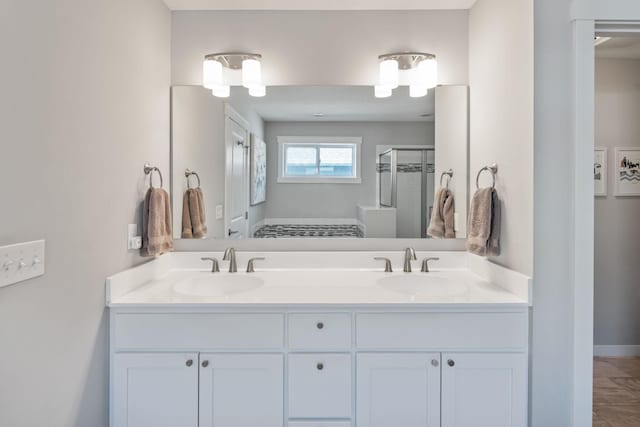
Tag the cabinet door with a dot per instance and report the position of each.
(401, 389)
(484, 390)
(241, 390)
(155, 389)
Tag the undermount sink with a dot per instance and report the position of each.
(427, 285)
(217, 284)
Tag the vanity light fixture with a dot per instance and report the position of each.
(417, 69)
(213, 77)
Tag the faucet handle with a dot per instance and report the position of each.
(250, 264)
(387, 264)
(215, 267)
(425, 263)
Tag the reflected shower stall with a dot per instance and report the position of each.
(406, 183)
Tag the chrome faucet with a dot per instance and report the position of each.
(250, 268)
(425, 263)
(230, 255)
(409, 254)
(214, 265)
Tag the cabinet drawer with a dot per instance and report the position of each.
(320, 331)
(198, 331)
(319, 386)
(500, 331)
(319, 424)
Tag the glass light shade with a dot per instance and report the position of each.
(211, 73)
(417, 83)
(389, 74)
(381, 91)
(258, 90)
(417, 91)
(221, 91)
(251, 73)
(428, 70)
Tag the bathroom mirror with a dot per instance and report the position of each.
(316, 162)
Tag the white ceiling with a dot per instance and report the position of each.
(318, 4)
(336, 104)
(619, 48)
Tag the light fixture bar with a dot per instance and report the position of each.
(249, 63)
(233, 60)
(407, 60)
(421, 69)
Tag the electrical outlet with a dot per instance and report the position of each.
(21, 262)
(133, 240)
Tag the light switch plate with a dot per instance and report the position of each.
(134, 241)
(21, 262)
(219, 212)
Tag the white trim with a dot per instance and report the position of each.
(616, 350)
(509, 280)
(583, 226)
(320, 140)
(229, 111)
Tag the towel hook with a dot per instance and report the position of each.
(148, 170)
(448, 173)
(188, 173)
(493, 168)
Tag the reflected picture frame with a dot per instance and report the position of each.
(258, 175)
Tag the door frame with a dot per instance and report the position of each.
(231, 113)
(621, 18)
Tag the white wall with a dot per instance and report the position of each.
(85, 102)
(617, 297)
(320, 47)
(335, 200)
(501, 117)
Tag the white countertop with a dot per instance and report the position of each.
(316, 287)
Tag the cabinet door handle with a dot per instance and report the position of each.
(189, 363)
(205, 363)
(451, 363)
(320, 366)
(320, 325)
(435, 363)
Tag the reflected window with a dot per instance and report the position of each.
(319, 159)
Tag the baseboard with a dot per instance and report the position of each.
(616, 350)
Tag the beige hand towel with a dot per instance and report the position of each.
(483, 234)
(193, 214)
(442, 216)
(187, 228)
(156, 223)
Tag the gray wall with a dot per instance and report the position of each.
(320, 47)
(85, 102)
(335, 200)
(617, 231)
(501, 118)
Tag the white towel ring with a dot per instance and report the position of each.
(448, 173)
(493, 169)
(188, 173)
(148, 170)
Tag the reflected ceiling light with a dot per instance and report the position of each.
(213, 73)
(421, 70)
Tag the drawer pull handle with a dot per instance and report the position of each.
(434, 363)
(189, 363)
(320, 366)
(320, 325)
(451, 363)
(205, 363)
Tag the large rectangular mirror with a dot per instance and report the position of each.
(316, 162)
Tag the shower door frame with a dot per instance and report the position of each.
(424, 202)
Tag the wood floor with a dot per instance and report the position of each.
(616, 392)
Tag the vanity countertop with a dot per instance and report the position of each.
(317, 287)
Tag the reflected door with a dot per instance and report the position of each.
(237, 181)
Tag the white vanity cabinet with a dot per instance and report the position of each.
(339, 367)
